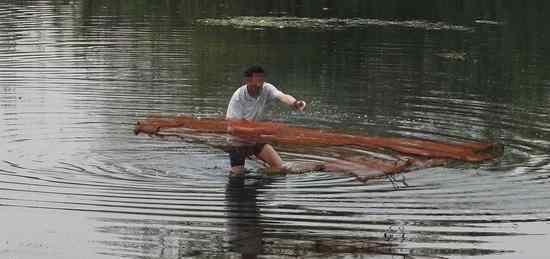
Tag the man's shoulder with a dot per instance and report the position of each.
(271, 90)
(239, 92)
(241, 88)
(269, 85)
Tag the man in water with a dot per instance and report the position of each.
(248, 103)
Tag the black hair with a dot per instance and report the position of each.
(253, 70)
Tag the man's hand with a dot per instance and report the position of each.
(299, 105)
(292, 102)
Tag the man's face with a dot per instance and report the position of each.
(256, 80)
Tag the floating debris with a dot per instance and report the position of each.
(458, 56)
(253, 22)
(489, 22)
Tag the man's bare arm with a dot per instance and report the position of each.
(293, 102)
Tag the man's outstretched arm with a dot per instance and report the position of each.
(292, 102)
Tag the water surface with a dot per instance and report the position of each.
(76, 76)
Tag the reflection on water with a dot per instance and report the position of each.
(244, 231)
(75, 76)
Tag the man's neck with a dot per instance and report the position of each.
(253, 91)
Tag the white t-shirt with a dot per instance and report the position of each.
(244, 106)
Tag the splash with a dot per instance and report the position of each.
(253, 22)
(380, 156)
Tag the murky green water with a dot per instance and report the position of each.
(76, 75)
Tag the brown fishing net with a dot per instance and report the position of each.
(363, 156)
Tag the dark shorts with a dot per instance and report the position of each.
(237, 155)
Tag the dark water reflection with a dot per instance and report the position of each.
(75, 182)
(244, 229)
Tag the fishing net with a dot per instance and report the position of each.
(362, 156)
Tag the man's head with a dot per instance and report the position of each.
(255, 77)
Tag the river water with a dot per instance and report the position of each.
(75, 76)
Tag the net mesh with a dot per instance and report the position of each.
(382, 156)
